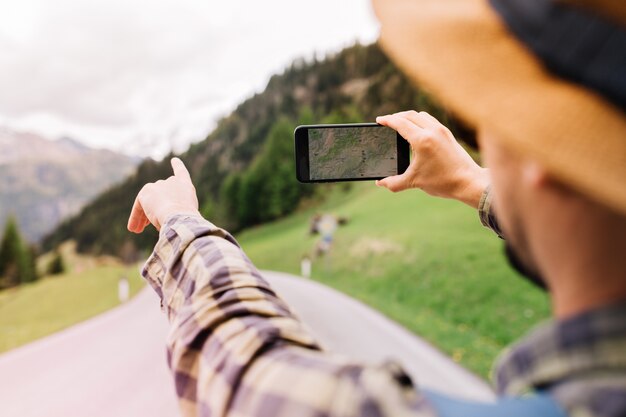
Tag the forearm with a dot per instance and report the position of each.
(235, 348)
(223, 314)
(471, 185)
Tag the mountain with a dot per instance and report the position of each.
(44, 181)
(244, 169)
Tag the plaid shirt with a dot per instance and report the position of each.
(581, 361)
(235, 348)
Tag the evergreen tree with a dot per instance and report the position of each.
(268, 189)
(229, 198)
(9, 253)
(56, 265)
(16, 259)
(30, 262)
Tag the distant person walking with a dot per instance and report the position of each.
(325, 225)
(543, 82)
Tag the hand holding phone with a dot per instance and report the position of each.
(349, 152)
(439, 166)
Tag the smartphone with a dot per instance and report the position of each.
(349, 152)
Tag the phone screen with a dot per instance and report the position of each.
(352, 152)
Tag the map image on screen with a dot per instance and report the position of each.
(353, 152)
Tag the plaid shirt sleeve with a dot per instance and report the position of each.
(487, 213)
(235, 349)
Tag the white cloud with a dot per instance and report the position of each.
(145, 75)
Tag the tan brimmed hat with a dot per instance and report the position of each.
(488, 62)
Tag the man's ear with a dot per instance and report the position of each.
(535, 175)
(538, 178)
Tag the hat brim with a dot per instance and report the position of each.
(462, 53)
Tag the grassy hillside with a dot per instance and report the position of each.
(36, 310)
(235, 168)
(424, 262)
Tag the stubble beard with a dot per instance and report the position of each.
(524, 267)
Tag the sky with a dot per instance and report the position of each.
(144, 77)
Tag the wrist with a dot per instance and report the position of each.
(472, 186)
(172, 211)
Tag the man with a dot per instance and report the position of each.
(543, 81)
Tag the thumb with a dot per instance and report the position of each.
(138, 219)
(180, 170)
(394, 183)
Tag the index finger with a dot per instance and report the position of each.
(407, 129)
(413, 116)
(180, 170)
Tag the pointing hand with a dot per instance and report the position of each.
(159, 200)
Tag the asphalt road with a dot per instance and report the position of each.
(114, 364)
(345, 325)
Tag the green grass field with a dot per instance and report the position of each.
(425, 262)
(51, 304)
